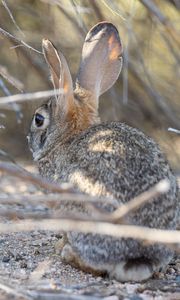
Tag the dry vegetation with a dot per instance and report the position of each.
(147, 92)
(146, 96)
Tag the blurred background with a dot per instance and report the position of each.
(146, 94)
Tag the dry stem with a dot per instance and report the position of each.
(11, 79)
(126, 231)
(29, 96)
(37, 180)
(17, 41)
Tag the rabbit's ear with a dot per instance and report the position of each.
(101, 59)
(59, 70)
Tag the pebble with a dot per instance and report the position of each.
(23, 264)
(171, 270)
(2, 241)
(18, 257)
(36, 243)
(36, 252)
(6, 259)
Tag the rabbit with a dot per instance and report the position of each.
(70, 144)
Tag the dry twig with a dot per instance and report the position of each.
(174, 130)
(153, 9)
(54, 200)
(11, 79)
(96, 215)
(37, 180)
(146, 234)
(17, 41)
(29, 96)
(11, 16)
(12, 291)
(160, 188)
(158, 99)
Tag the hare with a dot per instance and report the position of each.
(69, 144)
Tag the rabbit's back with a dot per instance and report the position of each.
(121, 162)
(118, 161)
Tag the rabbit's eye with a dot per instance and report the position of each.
(39, 120)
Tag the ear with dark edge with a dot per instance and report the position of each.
(101, 59)
(59, 70)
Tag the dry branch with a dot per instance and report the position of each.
(32, 61)
(78, 16)
(37, 180)
(17, 41)
(157, 98)
(14, 214)
(174, 130)
(99, 223)
(114, 10)
(97, 10)
(73, 21)
(154, 10)
(4, 87)
(11, 79)
(15, 83)
(54, 200)
(96, 214)
(11, 16)
(12, 291)
(160, 188)
(29, 96)
(54, 295)
(146, 234)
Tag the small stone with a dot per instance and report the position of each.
(10, 253)
(6, 259)
(171, 271)
(44, 242)
(36, 252)
(59, 235)
(2, 241)
(23, 264)
(36, 243)
(18, 257)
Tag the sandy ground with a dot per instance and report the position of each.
(30, 268)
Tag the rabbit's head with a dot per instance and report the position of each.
(72, 111)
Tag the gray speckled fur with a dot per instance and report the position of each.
(130, 167)
(110, 159)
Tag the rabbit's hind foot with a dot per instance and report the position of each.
(139, 269)
(68, 255)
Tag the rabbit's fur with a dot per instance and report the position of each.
(112, 159)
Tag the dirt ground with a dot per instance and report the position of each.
(30, 267)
